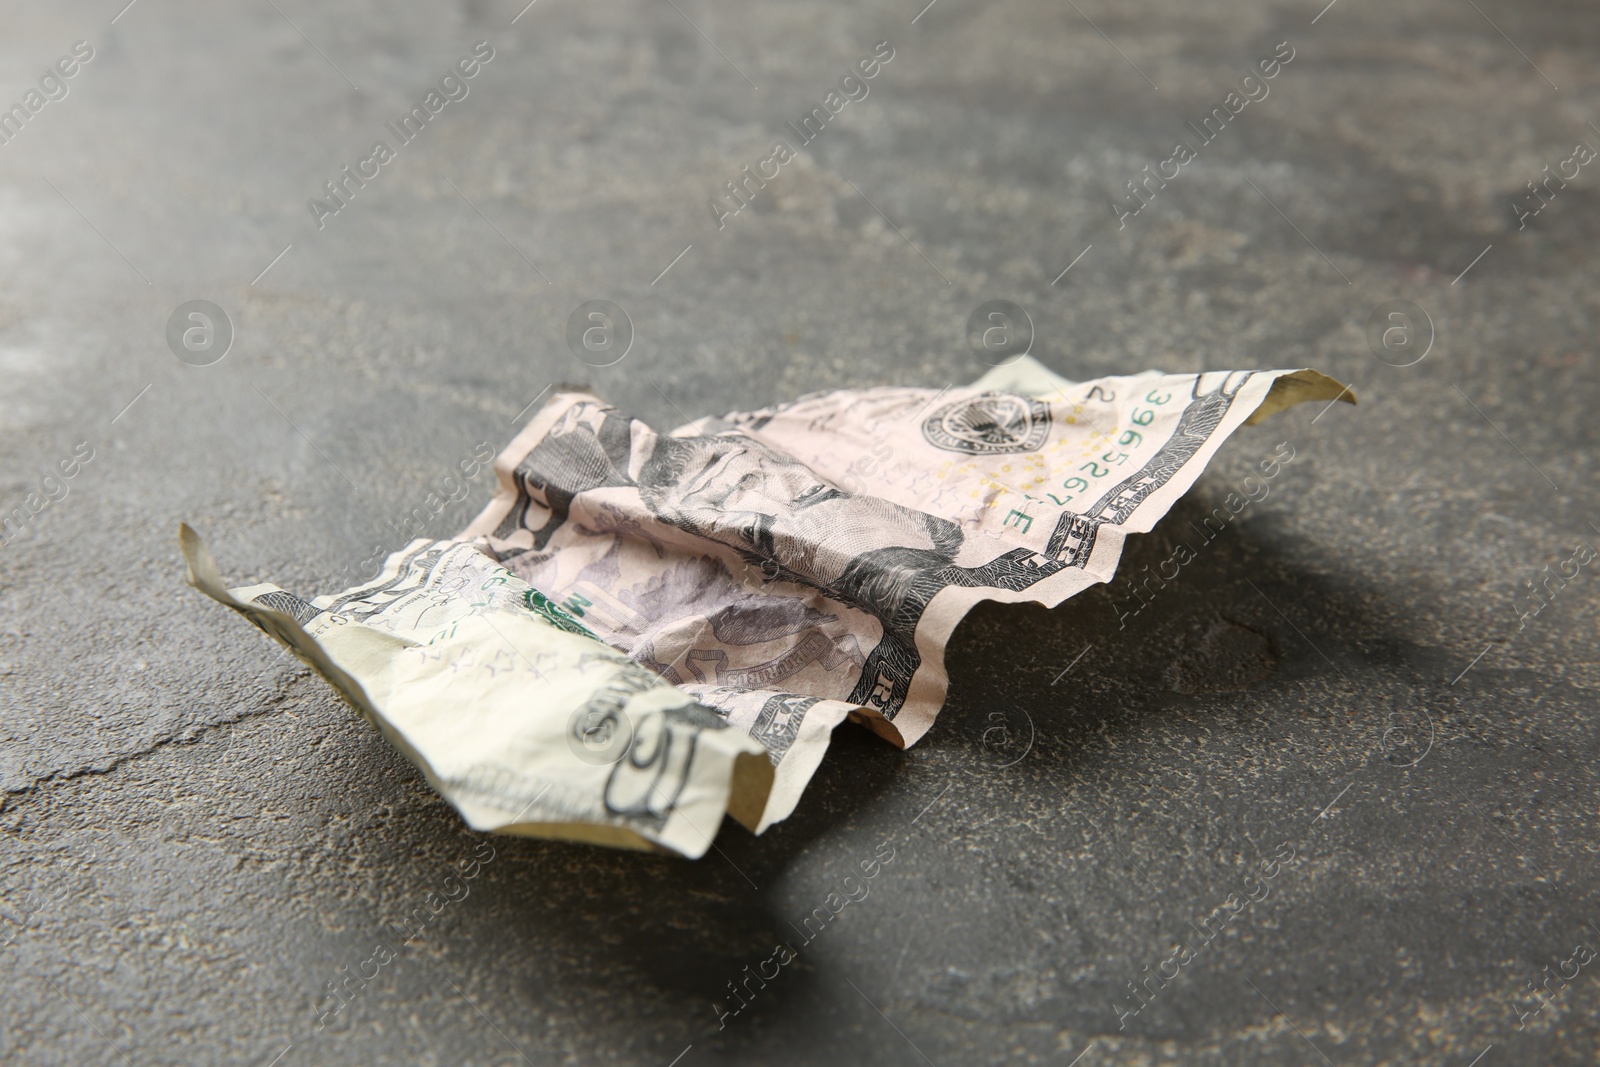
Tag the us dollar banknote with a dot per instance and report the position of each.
(643, 631)
(516, 715)
(814, 558)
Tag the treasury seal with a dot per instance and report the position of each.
(989, 424)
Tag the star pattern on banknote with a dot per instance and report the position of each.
(540, 663)
(504, 661)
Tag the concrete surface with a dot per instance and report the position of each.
(197, 836)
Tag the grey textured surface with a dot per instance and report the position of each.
(196, 835)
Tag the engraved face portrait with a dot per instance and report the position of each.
(732, 489)
(736, 490)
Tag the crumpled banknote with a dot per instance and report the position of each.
(643, 631)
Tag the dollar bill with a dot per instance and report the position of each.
(516, 715)
(643, 631)
(821, 552)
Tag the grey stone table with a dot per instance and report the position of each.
(1329, 796)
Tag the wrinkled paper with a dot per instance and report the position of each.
(741, 585)
(516, 716)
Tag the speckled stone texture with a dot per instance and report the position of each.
(196, 836)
